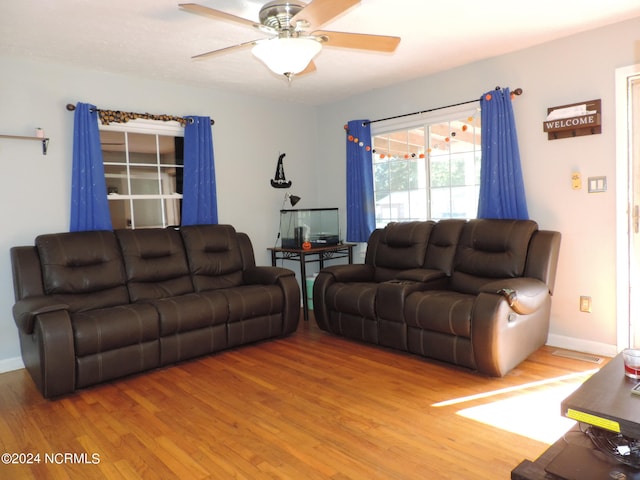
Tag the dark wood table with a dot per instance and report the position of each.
(605, 401)
(313, 255)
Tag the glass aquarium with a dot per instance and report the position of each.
(318, 226)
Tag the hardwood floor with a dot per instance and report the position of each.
(310, 406)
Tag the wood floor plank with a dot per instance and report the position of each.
(310, 406)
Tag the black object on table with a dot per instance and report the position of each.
(603, 403)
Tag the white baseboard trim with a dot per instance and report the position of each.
(10, 364)
(581, 345)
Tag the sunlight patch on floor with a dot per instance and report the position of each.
(531, 410)
(578, 377)
(534, 414)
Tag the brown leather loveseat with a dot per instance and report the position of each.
(98, 305)
(473, 293)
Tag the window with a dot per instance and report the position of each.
(428, 171)
(143, 166)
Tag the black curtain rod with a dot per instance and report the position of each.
(517, 91)
(72, 107)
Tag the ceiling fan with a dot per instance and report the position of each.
(294, 38)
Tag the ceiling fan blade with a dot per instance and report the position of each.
(319, 12)
(218, 14)
(360, 41)
(310, 68)
(225, 49)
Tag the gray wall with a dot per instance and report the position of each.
(574, 69)
(251, 132)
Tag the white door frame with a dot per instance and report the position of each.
(623, 206)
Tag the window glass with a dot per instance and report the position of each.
(431, 171)
(143, 171)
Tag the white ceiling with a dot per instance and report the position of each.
(156, 39)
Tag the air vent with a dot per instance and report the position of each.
(585, 357)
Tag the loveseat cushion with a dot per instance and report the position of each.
(155, 263)
(214, 256)
(440, 311)
(401, 246)
(443, 242)
(107, 329)
(84, 268)
(491, 249)
(354, 298)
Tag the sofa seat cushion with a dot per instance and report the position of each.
(100, 299)
(250, 301)
(357, 298)
(97, 331)
(191, 312)
(440, 311)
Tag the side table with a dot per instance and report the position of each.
(535, 470)
(604, 401)
(313, 255)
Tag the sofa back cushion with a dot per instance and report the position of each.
(214, 256)
(400, 246)
(79, 263)
(443, 243)
(491, 249)
(155, 263)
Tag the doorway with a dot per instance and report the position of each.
(628, 205)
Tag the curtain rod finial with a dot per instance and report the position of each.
(71, 107)
(518, 91)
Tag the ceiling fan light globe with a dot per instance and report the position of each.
(287, 55)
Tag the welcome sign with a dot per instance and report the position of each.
(573, 120)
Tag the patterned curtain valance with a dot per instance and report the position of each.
(116, 116)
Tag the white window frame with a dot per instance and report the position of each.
(424, 120)
(145, 127)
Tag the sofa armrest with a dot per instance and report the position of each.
(357, 272)
(502, 338)
(49, 353)
(286, 280)
(524, 295)
(424, 275)
(25, 311)
(291, 311)
(328, 276)
(264, 275)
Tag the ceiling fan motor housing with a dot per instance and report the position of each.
(278, 14)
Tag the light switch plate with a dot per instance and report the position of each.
(585, 304)
(597, 184)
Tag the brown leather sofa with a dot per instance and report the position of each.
(473, 293)
(98, 305)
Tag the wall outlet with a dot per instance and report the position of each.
(585, 304)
